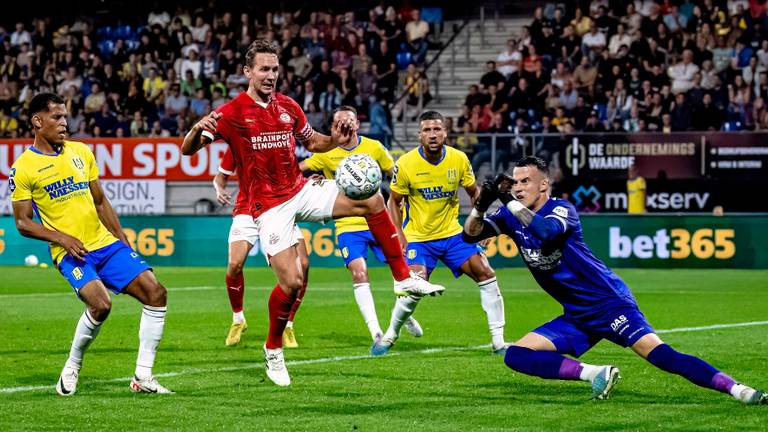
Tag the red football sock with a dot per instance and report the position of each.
(236, 291)
(384, 232)
(297, 303)
(279, 308)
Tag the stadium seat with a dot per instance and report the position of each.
(432, 15)
(404, 58)
(105, 32)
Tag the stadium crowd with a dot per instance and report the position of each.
(159, 76)
(628, 66)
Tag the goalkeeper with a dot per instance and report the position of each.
(597, 303)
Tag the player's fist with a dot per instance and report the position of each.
(503, 182)
(210, 122)
(488, 194)
(343, 130)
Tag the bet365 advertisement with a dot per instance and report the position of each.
(656, 241)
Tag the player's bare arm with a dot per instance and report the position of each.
(195, 140)
(394, 205)
(106, 212)
(220, 186)
(25, 224)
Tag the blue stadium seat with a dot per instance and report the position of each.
(124, 32)
(105, 32)
(432, 15)
(404, 58)
(106, 47)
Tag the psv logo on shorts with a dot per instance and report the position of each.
(285, 118)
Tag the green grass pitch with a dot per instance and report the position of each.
(447, 380)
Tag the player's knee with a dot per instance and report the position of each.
(157, 295)
(100, 308)
(294, 284)
(486, 274)
(359, 276)
(515, 357)
(234, 268)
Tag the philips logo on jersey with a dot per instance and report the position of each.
(271, 140)
(60, 188)
(435, 192)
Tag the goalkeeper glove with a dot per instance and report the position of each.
(488, 194)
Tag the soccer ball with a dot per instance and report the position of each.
(31, 260)
(358, 176)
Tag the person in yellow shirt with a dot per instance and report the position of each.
(58, 181)
(352, 234)
(425, 185)
(635, 192)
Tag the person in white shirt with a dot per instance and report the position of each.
(682, 73)
(619, 39)
(508, 62)
(592, 42)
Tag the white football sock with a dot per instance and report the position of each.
(742, 392)
(493, 305)
(589, 372)
(150, 333)
(238, 317)
(404, 307)
(86, 331)
(364, 299)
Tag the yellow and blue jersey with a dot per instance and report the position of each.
(431, 211)
(59, 188)
(327, 163)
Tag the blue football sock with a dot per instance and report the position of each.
(544, 364)
(692, 368)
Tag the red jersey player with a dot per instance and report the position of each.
(243, 234)
(260, 125)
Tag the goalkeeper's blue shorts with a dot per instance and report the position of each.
(621, 325)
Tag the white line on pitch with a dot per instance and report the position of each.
(355, 357)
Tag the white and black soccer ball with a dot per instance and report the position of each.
(358, 176)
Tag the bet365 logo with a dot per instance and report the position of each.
(677, 243)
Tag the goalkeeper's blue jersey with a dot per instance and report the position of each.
(564, 265)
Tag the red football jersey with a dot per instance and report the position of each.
(228, 167)
(263, 145)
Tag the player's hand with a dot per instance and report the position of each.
(342, 131)
(488, 194)
(209, 123)
(484, 243)
(503, 182)
(72, 245)
(223, 196)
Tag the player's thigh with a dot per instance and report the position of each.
(277, 229)
(478, 268)
(345, 206)
(464, 258)
(536, 342)
(315, 201)
(289, 274)
(302, 251)
(566, 335)
(147, 290)
(96, 297)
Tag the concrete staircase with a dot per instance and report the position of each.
(475, 45)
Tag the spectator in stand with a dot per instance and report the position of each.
(491, 76)
(621, 38)
(593, 42)
(509, 61)
(682, 73)
(416, 32)
(585, 76)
